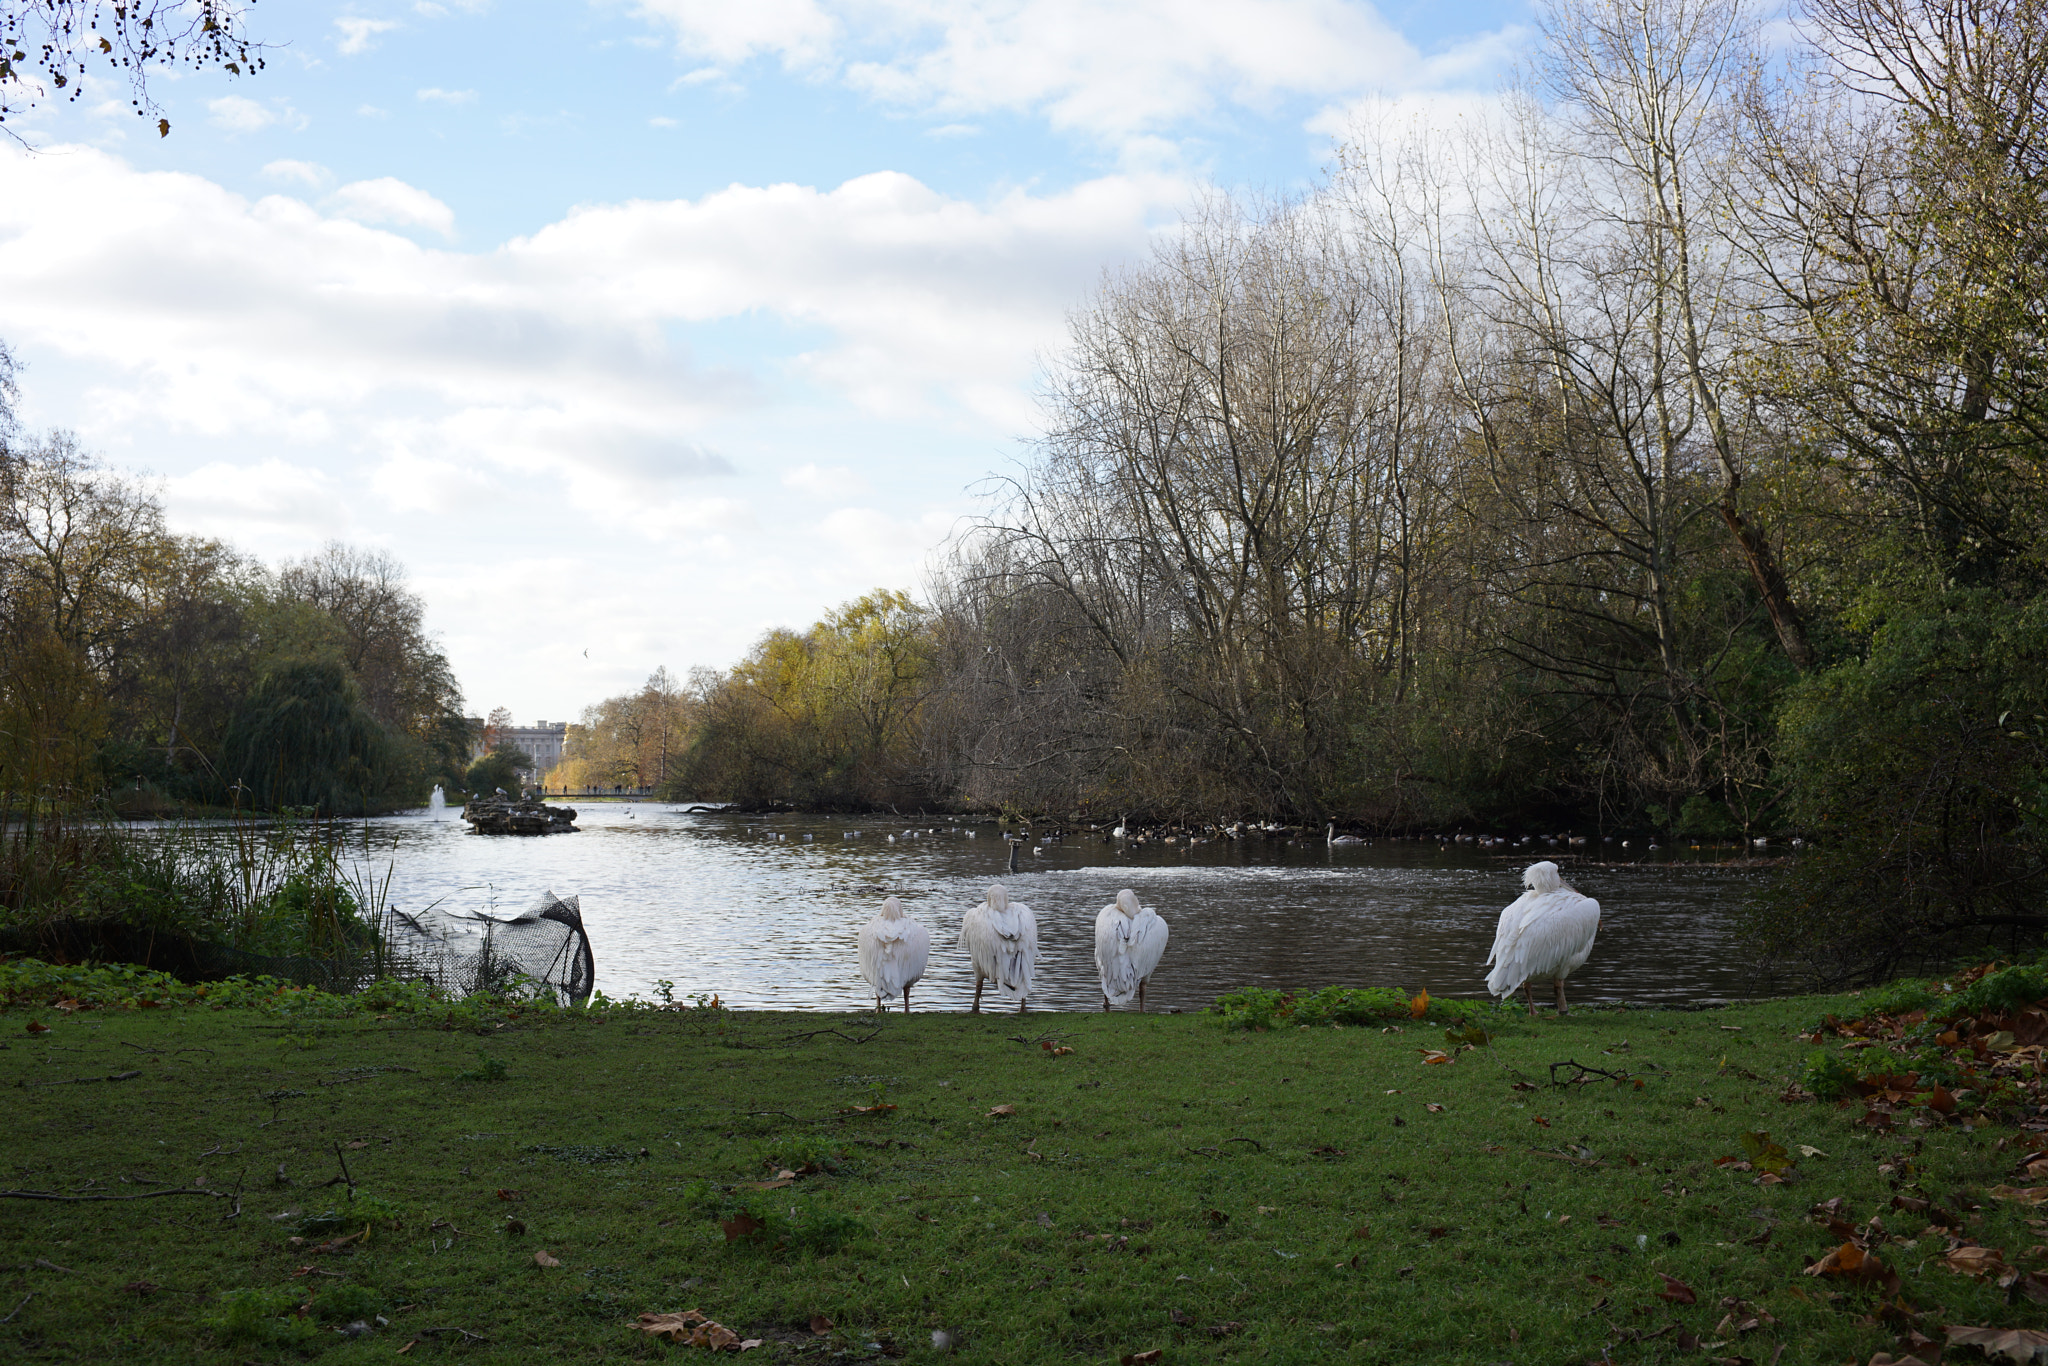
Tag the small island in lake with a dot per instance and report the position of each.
(510, 816)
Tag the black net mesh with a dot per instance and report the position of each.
(544, 944)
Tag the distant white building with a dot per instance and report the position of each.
(541, 742)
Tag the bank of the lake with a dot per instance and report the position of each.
(1061, 1187)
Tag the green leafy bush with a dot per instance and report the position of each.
(1899, 998)
(1265, 1008)
(1998, 992)
(1828, 1075)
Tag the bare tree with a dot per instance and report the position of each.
(53, 45)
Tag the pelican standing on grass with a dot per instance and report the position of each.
(1129, 941)
(1547, 932)
(893, 952)
(1001, 940)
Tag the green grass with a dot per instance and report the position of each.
(1165, 1180)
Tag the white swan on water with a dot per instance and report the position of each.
(1129, 941)
(1547, 932)
(893, 952)
(1330, 836)
(1001, 940)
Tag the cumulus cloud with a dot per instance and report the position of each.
(359, 34)
(1112, 68)
(433, 94)
(602, 383)
(239, 115)
(389, 200)
(831, 483)
(310, 174)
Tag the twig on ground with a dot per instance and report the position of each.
(1253, 1141)
(834, 1033)
(46, 1264)
(19, 1307)
(344, 1177)
(157, 1052)
(755, 1114)
(431, 1332)
(76, 1199)
(223, 1150)
(236, 1212)
(1584, 1075)
(79, 1081)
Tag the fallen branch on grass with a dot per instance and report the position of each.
(19, 1307)
(147, 1195)
(79, 1081)
(1585, 1074)
(790, 1038)
(435, 1332)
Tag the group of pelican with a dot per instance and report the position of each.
(1547, 932)
(1000, 938)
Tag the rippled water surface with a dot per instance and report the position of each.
(764, 910)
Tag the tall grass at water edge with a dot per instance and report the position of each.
(277, 895)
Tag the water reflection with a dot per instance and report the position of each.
(754, 910)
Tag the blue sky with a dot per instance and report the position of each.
(642, 328)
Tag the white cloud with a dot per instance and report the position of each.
(615, 383)
(433, 94)
(388, 200)
(953, 130)
(371, 111)
(1110, 68)
(229, 500)
(699, 76)
(663, 121)
(239, 115)
(831, 483)
(360, 35)
(310, 174)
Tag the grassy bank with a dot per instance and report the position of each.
(1165, 1185)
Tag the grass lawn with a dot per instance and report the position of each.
(1165, 1186)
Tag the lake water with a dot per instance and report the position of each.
(751, 909)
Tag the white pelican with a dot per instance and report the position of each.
(1129, 941)
(1001, 939)
(1547, 932)
(1330, 836)
(893, 952)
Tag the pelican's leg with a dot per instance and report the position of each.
(1020, 1005)
(1530, 988)
(1141, 996)
(1105, 1002)
(878, 1003)
(1562, 1008)
(977, 995)
(906, 1000)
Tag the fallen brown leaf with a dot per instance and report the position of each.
(1001, 1110)
(542, 1258)
(820, 1324)
(741, 1226)
(1975, 1261)
(38, 1027)
(1852, 1263)
(1433, 1108)
(2018, 1345)
(1142, 1358)
(1676, 1291)
(2020, 1195)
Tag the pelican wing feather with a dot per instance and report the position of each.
(1543, 934)
(1127, 950)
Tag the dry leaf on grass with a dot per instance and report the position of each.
(542, 1258)
(1142, 1358)
(1001, 1110)
(692, 1328)
(1851, 1263)
(820, 1324)
(742, 1226)
(1676, 1291)
(2018, 1345)
(2021, 1195)
(1433, 1108)
(1975, 1261)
